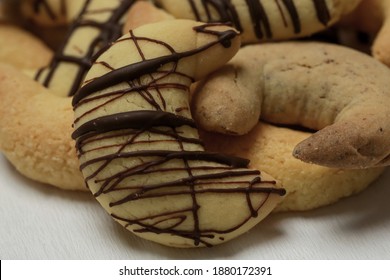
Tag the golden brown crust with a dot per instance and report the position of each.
(30, 137)
(140, 152)
(144, 12)
(333, 89)
(35, 129)
(308, 186)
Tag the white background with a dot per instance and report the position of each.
(41, 222)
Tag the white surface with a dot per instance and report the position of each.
(41, 222)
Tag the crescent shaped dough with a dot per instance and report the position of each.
(94, 25)
(139, 149)
(340, 92)
(35, 129)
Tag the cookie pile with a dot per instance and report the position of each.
(191, 121)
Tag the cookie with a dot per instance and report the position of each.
(21, 49)
(35, 128)
(94, 25)
(144, 12)
(340, 92)
(308, 186)
(139, 149)
(35, 131)
(264, 20)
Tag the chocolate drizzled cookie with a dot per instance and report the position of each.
(260, 20)
(96, 24)
(139, 149)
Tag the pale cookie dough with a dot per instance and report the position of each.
(264, 20)
(308, 186)
(340, 92)
(139, 149)
(35, 131)
(21, 49)
(94, 25)
(35, 127)
(144, 12)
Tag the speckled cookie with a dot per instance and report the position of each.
(340, 92)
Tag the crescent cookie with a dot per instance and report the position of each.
(140, 152)
(340, 92)
(95, 24)
(39, 146)
(259, 20)
(30, 137)
(308, 186)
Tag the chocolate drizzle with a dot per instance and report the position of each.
(142, 143)
(39, 5)
(110, 30)
(227, 12)
(322, 11)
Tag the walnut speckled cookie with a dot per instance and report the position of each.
(308, 186)
(264, 20)
(139, 148)
(342, 93)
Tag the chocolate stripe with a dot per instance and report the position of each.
(227, 12)
(135, 119)
(132, 71)
(109, 31)
(322, 10)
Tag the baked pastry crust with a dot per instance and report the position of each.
(340, 92)
(264, 20)
(139, 149)
(308, 186)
